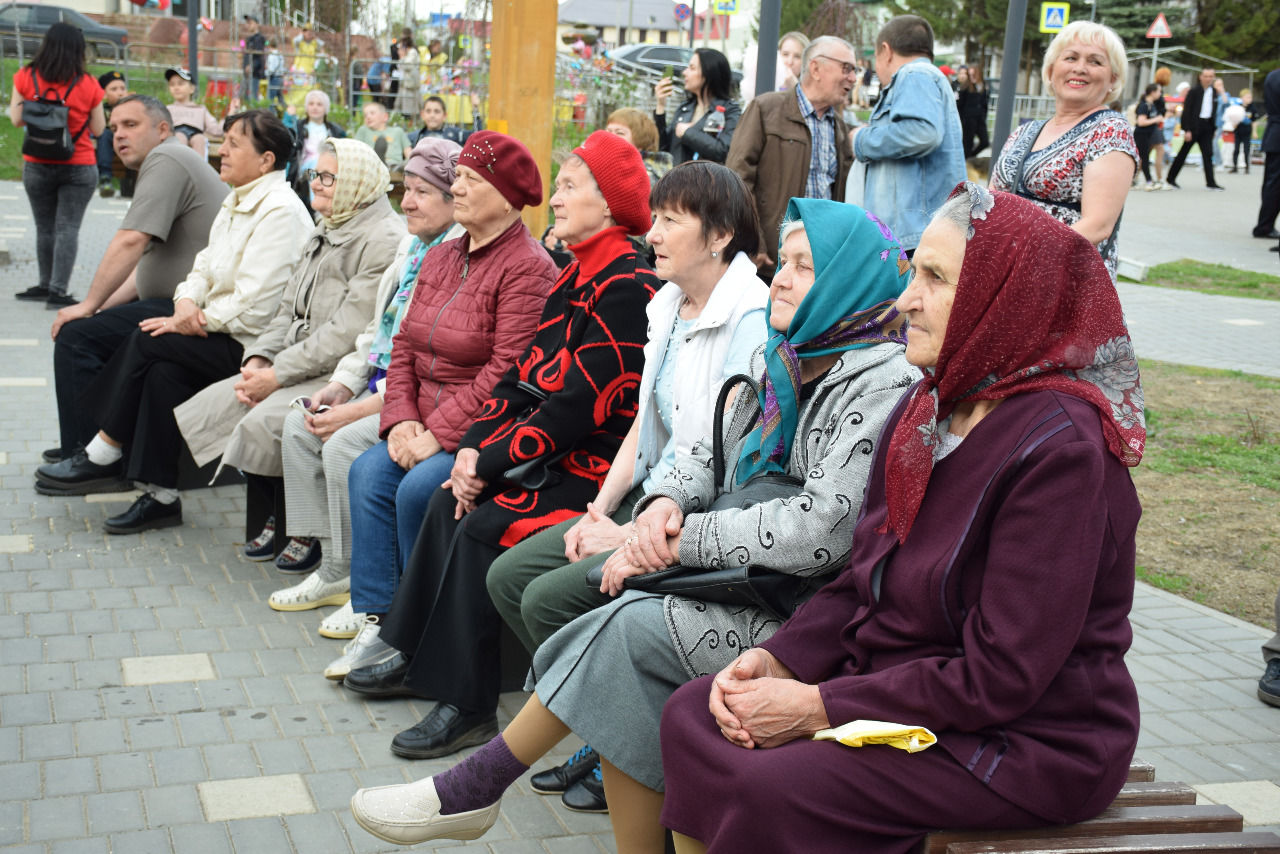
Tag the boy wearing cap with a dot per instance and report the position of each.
(192, 122)
(113, 89)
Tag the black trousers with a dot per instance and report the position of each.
(1204, 139)
(974, 134)
(147, 377)
(442, 616)
(1144, 153)
(81, 351)
(1270, 208)
(1244, 141)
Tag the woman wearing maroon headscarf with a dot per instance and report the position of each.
(988, 593)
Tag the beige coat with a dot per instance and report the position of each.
(327, 304)
(254, 244)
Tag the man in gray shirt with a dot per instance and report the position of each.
(176, 199)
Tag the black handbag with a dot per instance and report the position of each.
(47, 135)
(747, 584)
(537, 473)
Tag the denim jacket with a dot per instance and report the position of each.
(914, 150)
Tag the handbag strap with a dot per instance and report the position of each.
(717, 432)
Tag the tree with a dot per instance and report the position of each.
(796, 14)
(1244, 31)
(1131, 19)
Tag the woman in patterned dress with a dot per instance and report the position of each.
(832, 370)
(1077, 165)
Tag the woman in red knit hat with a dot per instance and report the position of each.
(536, 454)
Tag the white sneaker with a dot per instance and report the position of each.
(365, 650)
(311, 592)
(342, 623)
(410, 813)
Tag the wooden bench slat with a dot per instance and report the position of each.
(1152, 793)
(1141, 771)
(1163, 843)
(1114, 821)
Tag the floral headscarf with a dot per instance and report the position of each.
(362, 178)
(1034, 310)
(859, 270)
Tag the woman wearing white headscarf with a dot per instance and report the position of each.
(327, 303)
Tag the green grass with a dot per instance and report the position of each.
(1213, 279)
(1171, 582)
(1237, 443)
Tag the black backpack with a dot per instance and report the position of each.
(47, 135)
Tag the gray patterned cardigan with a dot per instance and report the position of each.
(809, 534)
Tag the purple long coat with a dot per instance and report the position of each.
(1001, 624)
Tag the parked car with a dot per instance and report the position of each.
(657, 58)
(30, 21)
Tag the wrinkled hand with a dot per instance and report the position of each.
(333, 394)
(757, 702)
(187, 319)
(655, 543)
(398, 439)
(256, 384)
(463, 482)
(618, 567)
(594, 532)
(68, 314)
(325, 424)
(419, 448)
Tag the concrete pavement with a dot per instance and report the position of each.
(150, 701)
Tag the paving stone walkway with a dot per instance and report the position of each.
(151, 702)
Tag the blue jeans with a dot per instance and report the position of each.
(106, 155)
(387, 508)
(58, 194)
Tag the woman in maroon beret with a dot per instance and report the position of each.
(537, 453)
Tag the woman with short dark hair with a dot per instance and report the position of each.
(693, 135)
(58, 188)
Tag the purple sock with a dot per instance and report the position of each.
(480, 779)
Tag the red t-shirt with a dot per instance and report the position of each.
(80, 101)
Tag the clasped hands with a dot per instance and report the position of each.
(257, 381)
(409, 443)
(757, 702)
(653, 544)
(339, 414)
(187, 319)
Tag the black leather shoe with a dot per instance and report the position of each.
(79, 472)
(586, 795)
(35, 293)
(444, 730)
(56, 301)
(144, 515)
(1268, 235)
(53, 455)
(556, 780)
(381, 681)
(1269, 684)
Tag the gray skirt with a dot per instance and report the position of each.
(608, 674)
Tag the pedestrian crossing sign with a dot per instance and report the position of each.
(1054, 16)
(726, 7)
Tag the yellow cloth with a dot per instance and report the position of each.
(912, 739)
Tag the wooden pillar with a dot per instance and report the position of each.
(522, 78)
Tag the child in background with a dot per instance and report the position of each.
(192, 122)
(391, 143)
(275, 73)
(114, 88)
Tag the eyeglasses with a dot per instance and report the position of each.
(326, 178)
(846, 68)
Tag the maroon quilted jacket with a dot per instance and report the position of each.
(471, 316)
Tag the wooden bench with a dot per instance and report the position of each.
(1147, 817)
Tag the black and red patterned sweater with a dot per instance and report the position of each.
(586, 357)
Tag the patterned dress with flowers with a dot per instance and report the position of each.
(1053, 176)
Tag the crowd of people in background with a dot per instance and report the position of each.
(753, 337)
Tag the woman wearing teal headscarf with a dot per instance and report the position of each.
(831, 373)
